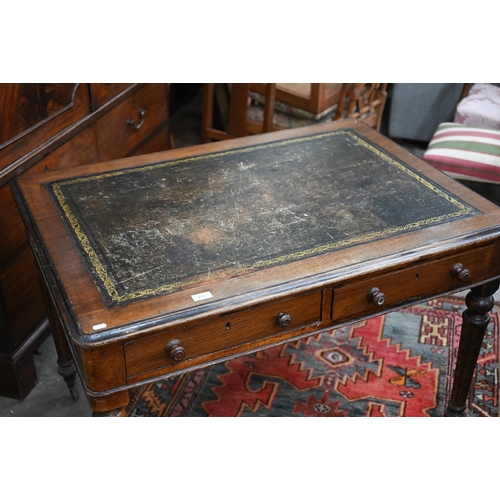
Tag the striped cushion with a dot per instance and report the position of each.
(465, 152)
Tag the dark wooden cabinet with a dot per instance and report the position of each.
(51, 127)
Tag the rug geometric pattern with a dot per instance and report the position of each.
(395, 365)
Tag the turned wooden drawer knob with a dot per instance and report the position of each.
(175, 350)
(283, 319)
(459, 271)
(375, 296)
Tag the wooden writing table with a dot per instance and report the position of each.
(161, 264)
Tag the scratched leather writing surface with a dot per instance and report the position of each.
(153, 229)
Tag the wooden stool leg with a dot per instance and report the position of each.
(475, 320)
(207, 111)
(65, 365)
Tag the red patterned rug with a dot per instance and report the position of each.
(395, 365)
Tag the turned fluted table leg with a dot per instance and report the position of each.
(119, 412)
(111, 405)
(475, 320)
(65, 364)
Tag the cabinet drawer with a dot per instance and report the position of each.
(411, 284)
(131, 123)
(104, 92)
(148, 354)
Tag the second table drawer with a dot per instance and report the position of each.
(411, 284)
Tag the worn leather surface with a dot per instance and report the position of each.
(152, 229)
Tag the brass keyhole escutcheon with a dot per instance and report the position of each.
(175, 350)
(376, 297)
(283, 319)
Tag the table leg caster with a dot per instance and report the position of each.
(109, 405)
(118, 412)
(67, 371)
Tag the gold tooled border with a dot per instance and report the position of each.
(113, 293)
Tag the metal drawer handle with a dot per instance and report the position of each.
(460, 272)
(376, 296)
(142, 112)
(283, 319)
(175, 350)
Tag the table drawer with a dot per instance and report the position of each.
(411, 284)
(131, 123)
(150, 353)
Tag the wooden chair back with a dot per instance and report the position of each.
(363, 101)
(237, 125)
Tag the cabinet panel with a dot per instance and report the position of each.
(53, 110)
(26, 105)
(22, 295)
(12, 233)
